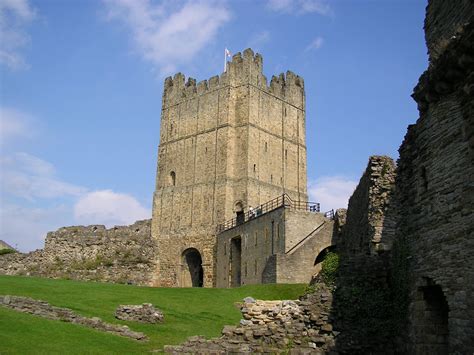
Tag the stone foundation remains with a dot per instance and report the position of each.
(45, 310)
(145, 313)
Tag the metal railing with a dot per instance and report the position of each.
(281, 201)
(329, 214)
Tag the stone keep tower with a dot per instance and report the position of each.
(227, 143)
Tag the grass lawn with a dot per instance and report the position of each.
(188, 311)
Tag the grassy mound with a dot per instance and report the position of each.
(188, 311)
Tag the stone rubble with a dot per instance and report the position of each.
(298, 327)
(45, 310)
(145, 313)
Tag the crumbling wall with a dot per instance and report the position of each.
(436, 190)
(371, 214)
(124, 254)
(443, 20)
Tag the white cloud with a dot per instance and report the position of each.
(13, 125)
(315, 44)
(109, 208)
(332, 191)
(15, 15)
(300, 6)
(25, 227)
(166, 35)
(34, 200)
(259, 39)
(29, 177)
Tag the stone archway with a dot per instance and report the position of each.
(192, 274)
(318, 262)
(430, 319)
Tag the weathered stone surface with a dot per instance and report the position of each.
(145, 313)
(45, 310)
(271, 325)
(221, 152)
(369, 226)
(123, 254)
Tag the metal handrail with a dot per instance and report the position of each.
(280, 201)
(329, 214)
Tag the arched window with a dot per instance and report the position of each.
(172, 178)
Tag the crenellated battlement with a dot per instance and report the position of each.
(244, 69)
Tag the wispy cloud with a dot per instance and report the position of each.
(332, 191)
(168, 35)
(259, 39)
(31, 178)
(14, 124)
(300, 6)
(35, 200)
(109, 208)
(315, 44)
(25, 227)
(15, 16)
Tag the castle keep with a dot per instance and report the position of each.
(230, 202)
(226, 144)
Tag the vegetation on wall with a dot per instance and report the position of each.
(329, 268)
(7, 251)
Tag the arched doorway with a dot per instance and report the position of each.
(192, 273)
(318, 262)
(431, 319)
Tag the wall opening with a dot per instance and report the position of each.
(172, 178)
(318, 262)
(235, 262)
(239, 213)
(431, 320)
(192, 272)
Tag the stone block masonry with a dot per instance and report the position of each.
(123, 254)
(371, 215)
(226, 144)
(45, 310)
(435, 184)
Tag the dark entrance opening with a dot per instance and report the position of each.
(235, 262)
(192, 273)
(239, 213)
(431, 320)
(318, 262)
(240, 216)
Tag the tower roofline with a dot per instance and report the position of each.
(244, 68)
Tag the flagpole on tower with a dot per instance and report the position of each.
(226, 54)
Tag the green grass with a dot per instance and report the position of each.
(188, 311)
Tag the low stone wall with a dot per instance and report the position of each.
(123, 254)
(144, 313)
(302, 326)
(45, 310)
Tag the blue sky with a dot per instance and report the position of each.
(81, 84)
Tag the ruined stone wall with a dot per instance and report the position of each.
(371, 215)
(443, 20)
(125, 254)
(227, 143)
(435, 184)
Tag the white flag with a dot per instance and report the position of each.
(227, 54)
